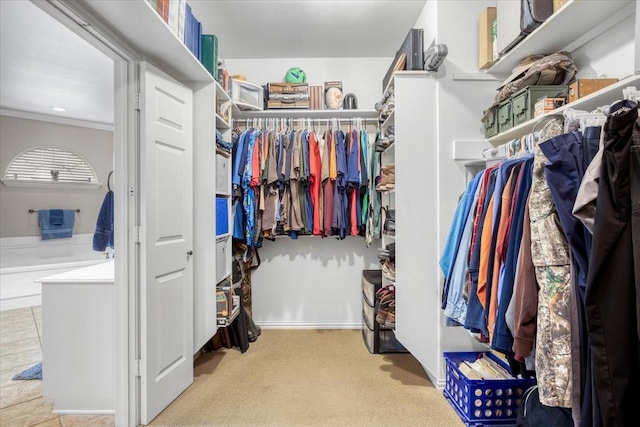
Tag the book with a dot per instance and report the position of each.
(210, 53)
(182, 5)
(174, 16)
(188, 27)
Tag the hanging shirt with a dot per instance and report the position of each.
(328, 183)
(339, 220)
(315, 181)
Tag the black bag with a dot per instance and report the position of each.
(532, 413)
(533, 13)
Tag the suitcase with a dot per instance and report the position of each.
(534, 13)
(288, 91)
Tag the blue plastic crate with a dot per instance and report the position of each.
(483, 402)
(222, 215)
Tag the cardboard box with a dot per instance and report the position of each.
(546, 105)
(583, 87)
(485, 37)
(557, 4)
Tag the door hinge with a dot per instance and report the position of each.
(137, 368)
(136, 101)
(137, 235)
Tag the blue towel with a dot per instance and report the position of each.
(103, 236)
(49, 230)
(56, 217)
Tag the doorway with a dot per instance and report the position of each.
(58, 64)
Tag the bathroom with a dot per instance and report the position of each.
(56, 102)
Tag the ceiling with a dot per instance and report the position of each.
(307, 28)
(44, 65)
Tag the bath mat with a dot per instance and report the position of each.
(32, 373)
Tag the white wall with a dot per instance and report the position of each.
(311, 282)
(360, 76)
(16, 135)
(611, 55)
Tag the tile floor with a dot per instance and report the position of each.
(21, 402)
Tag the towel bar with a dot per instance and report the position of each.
(32, 210)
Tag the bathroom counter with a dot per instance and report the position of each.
(98, 273)
(78, 340)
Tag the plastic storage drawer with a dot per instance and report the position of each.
(482, 402)
(505, 116)
(223, 258)
(223, 175)
(371, 281)
(523, 102)
(380, 340)
(369, 314)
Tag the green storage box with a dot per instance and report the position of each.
(524, 101)
(505, 118)
(491, 124)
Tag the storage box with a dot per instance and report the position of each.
(583, 87)
(546, 105)
(485, 37)
(294, 104)
(380, 340)
(491, 124)
(482, 402)
(505, 117)
(222, 215)
(523, 101)
(288, 90)
(557, 4)
(247, 96)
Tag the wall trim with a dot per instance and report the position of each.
(308, 325)
(55, 119)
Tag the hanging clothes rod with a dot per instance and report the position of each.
(313, 120)
(36, 210)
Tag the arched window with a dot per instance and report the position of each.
(51, 166)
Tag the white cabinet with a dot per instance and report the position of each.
(78, 337)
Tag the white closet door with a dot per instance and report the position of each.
(166, 200)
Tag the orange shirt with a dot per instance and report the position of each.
(314, 180)
(503, 226)
(485, 256)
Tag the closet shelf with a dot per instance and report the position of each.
(144, 29)
(306, 114)
(221, 94)
(389, 120)
(573, 25)
(221, 123)
(605, 96)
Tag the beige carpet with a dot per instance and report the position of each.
(308, 378)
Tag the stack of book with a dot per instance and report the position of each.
(177, 15)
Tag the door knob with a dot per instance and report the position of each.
(189, 253)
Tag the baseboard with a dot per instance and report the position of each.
(84, 412)
(308, 325)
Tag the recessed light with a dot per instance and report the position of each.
(62, 110)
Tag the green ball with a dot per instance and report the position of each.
(295, 75)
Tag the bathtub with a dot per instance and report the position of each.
(24, 260)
